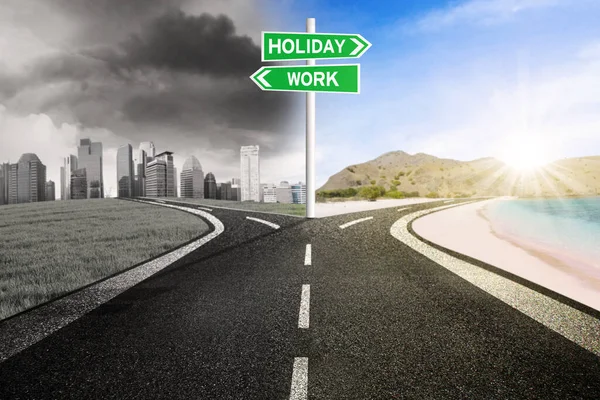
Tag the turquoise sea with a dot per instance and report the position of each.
(569, 226)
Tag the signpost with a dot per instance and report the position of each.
(315, 78)
(310, 78)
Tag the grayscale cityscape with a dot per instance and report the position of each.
(143, 172)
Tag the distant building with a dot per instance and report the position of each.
(69, 165)
(210, 186)
(4, 173)
(236, 181)
(50, 191)
(250, 171)
(149, 149)
(225, 193)
(175, 180)
(284, 193)
(269, 193)
(27, 180)
(79, 189)
(192, 179)
(299, 193)
(159, 171)
(139, 164)
(125, 176)
(89, 156)
(236, 193)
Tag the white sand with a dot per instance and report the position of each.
(346, 207)
(461, 229)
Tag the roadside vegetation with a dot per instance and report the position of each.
(52, 248)
(371, 193)
(279, 208)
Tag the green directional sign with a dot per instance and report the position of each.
(309, 78)
(285, 46)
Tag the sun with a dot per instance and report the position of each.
(526, 153)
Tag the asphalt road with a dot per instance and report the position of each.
(381, 321)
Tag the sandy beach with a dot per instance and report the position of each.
(346, 207)
(465, 230)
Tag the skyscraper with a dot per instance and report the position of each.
(250, 170)
(27, 180)
(210, 186)
(69, 165)
(79, 189)
(4, 170)
(159, 172)
(125, 171)
(175, 191)
(299, 193)
(192, 179)
(140, 163)
(284, 193)
(89, 156)
(149, 149)
(226, 191)
(50, 191)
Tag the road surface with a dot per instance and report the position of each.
(279, 307)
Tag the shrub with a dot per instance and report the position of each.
(393, 188)
(395, 182)
(395, 194)
(401, 173)
(373, 181)
(350, 169)
(370, 192)
(432, 195)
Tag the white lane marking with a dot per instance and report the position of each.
(307, 257)
(160, 201)
(262, 221)
(344, 226)
(304, 316)
(204, 208)
(405, 208)
(299, 390)
(448, 201)
(47, 319)
(567, 321)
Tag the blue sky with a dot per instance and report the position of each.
(461, 79)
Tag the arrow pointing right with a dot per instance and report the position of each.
(359, 46)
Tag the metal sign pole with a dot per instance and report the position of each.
(310, 137)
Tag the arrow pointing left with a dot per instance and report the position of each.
(259, 77)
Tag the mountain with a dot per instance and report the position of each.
(482, 177)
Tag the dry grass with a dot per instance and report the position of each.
(280, 208)
(51, 248)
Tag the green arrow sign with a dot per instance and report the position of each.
(284, 46)
(309, 78)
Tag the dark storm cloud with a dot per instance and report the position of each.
(203, 44)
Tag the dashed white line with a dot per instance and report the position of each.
(299, 390)
(304, 315)
(448, 201)
(205, 209)
(160, 201)
(262, 221)
(405, 208)
(307, 257)
(344, 226)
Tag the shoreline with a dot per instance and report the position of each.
(562, 272)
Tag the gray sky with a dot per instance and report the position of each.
(175, 72)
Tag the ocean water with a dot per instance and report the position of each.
(569, 226)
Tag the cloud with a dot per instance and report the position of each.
(482, 12)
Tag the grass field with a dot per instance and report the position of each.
(51, 248)
(289, 209)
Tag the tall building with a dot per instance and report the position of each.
(4, 171)
(89, 156)
(284, 193)
(175, 191)
(192, 179)
(50, 191)
(236, 192)
(27, 180)
(69, 165)
(269, 193)
(250, 170)
(236, 181)
(140, 161)
(125, 175)
(299, 193)
(210, 186)
(159, 176)
(79, 188)
(149, 149)
(226, 191)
